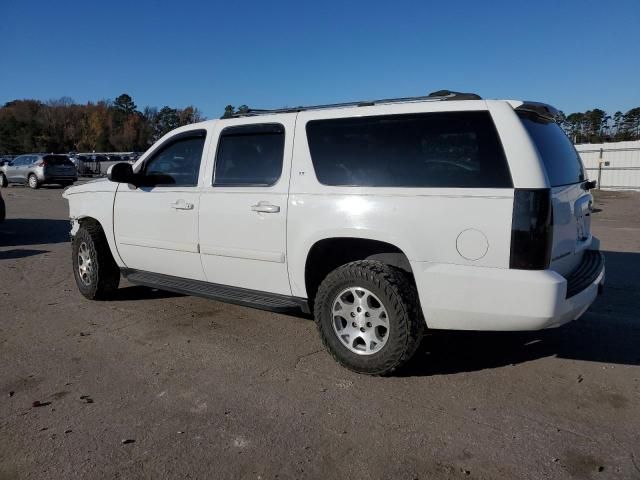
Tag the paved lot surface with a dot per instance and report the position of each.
(207, 390)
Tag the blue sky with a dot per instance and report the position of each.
(573, 54)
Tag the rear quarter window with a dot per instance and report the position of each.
(560, 158)
(444, 149)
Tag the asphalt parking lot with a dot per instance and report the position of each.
(157, 385)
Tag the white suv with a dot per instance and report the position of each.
(384, 218)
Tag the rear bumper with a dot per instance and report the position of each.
(459, 297)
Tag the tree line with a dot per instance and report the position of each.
(65, 126)
(596, 126)
(117, 125)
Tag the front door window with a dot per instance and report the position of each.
(177, 164)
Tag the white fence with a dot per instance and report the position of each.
(616, 166)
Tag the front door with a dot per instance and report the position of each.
(156, 223)
(243, 207)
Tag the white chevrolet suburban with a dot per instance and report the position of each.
(383, 218)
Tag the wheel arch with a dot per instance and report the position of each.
(86, 220)
(327, 254)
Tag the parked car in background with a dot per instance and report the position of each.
(38, 169)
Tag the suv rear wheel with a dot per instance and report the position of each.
(96, 272)
(368, 316)
(33, 181)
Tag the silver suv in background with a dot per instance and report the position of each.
(37, 169)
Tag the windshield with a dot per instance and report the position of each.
(560, 158)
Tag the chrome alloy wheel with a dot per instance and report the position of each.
(360, 321)
(85, 265)
(33, 181)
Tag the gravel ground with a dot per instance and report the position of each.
(157, 385)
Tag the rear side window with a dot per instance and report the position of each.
(560, 158)
(249, 155)
(57, 160)
(445, 149)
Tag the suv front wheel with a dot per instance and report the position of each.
(96, 272)
(369, 317)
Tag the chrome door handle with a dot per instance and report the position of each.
(264, 207)
(182, 205)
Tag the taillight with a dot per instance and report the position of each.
(531, 229)
(41, 163)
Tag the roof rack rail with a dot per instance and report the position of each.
(440, 95)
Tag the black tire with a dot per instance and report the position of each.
(397, 293)
(4, 183)
(104, 276)
(33, 182)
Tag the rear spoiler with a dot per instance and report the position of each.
(547, 112)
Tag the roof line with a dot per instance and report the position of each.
(438, 96)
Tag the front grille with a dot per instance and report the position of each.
(588, 270)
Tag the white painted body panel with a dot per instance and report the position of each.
(460, 297)
(153, 236)
(457, 240)
(94, 199)
(424, 224)
(241, 247)
(571, 205)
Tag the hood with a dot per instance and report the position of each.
(98, 185)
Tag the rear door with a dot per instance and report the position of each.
(243, 207)
(24, 168)
(571, 202)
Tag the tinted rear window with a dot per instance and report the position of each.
(560, 158)
(57, 160)
(250, 155)
(445, 149)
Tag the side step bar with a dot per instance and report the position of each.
(224, 293)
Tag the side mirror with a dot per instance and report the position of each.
(121, 173)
